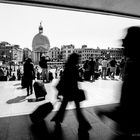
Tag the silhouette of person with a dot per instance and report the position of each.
(1, 73)
(18, 73)
(127, 113)
(86, 71)
(113, 64)
(13, 77)
(104, 68)
(92, 69)
(69, 88)
(44, 66)
(29, 75)
(122, 64)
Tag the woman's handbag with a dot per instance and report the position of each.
(80, 95)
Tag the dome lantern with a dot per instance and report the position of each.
(40, 28)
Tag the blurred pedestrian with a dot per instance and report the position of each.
(122, 64)
(86, 71)
(127, 113)
(97, 65)
(44, 66)
(68, 88)
(92, 69)
(97, 72)
(104, 68)
(1, 73)
(18, 73)
(113, 65)
(13, 77)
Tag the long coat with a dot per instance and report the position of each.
(29, 72)
(68, 84)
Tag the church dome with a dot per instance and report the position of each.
(40, 41)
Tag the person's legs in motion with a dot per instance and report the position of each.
(83, 123)
(59, 116)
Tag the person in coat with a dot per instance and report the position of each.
(68, 88)
(29, 75)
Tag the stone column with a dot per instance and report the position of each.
(38, 56)
(35, 57)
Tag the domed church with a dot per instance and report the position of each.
(40, 45)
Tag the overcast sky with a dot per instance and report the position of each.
(19, 24)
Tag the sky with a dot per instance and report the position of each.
(19, 24)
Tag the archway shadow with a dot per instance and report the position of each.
(57, 133)
(40, 131)
(83, 135)
(18, 99)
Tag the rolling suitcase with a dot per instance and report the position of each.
(41, 112)
(39, 89)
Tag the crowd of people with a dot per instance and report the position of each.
(92, 69)
(8, 74)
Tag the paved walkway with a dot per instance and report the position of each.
(13, 99)
(15, 108)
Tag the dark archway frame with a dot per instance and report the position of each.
(106, 7)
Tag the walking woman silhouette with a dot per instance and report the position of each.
(68, 87)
